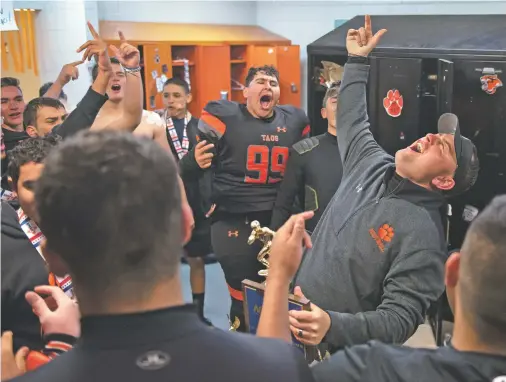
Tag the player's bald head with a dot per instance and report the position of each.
(482, 273)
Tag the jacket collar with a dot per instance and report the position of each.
(414, 193)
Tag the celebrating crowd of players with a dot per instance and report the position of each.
(103, 216)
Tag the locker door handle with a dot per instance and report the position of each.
(293, 88)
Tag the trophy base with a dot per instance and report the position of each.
(253, 299)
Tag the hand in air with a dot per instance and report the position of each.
(287, 247)
(128, 55)
(69, 72)
(203, 158)
(62, 320)
(309, 327)
(361, 42)
(98, 48)
(12, 365)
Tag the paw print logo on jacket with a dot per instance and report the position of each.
(384, 235)
(393, 103)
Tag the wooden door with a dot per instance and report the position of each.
(261, 55)
(212, 68)
(288, 65)
(157, 63)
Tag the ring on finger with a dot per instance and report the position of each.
(300, 333)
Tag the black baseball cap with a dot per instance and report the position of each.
(468, 164)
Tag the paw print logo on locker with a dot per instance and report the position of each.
(393, 103)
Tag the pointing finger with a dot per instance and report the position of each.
(93, 31)
(6, 343)
(377, 37)
(76, 63)
(84, 46)
(121, 36)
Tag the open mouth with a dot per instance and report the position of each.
(14, 115)
(417, 147)
(265, 101)
(116, 88)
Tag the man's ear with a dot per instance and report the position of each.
(12, 185)
(55, 262)
(32, 131)
(444, 183)
(324, 113)
(189, 98)
(245, 92)
(452, 278)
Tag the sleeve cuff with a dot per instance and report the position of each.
(64, 339)
(93, 100)
(358, 60)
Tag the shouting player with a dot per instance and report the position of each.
(246, 146)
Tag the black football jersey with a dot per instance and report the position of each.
(250, 153)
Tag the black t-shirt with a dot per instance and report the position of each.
(377, 362)
(171, 345)
(22, 270)
(312, 177)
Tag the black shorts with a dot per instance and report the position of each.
(200, 242)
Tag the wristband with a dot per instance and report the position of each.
(132, 70)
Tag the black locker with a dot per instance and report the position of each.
(438, 64)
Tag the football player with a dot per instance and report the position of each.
(246, 146)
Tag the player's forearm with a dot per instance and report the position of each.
(132, 104)
(83, 116)
(274, 322)
(55, 90)
(101, 82)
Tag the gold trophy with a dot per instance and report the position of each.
(253, 292)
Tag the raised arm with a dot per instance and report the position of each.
(353, 135)
(69, 72)
(129, 57)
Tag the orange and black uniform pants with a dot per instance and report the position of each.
(229, 235)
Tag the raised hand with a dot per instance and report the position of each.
(69, 72)
(287, 247)
(62, 319)
(361, 42)
(128, 55)
(98, 48)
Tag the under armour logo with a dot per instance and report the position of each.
(233, 233)
(153, 360)
(281, 129)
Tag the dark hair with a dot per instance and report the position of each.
(32, 107)
(179, 82)
(332, 92)
(483, 272)
(269, 70)
(94, 70)
(10, 81)
(30, 150)
(110, 206)
(44, 88)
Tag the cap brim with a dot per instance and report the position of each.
(449, 124)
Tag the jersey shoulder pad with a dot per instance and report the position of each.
(306, 145)
(222, 108)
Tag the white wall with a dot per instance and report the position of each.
(60, 28)
(306, 21)
(204, 12)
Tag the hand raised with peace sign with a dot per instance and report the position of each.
(128, 55)
(360, 42)
(98, 48)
